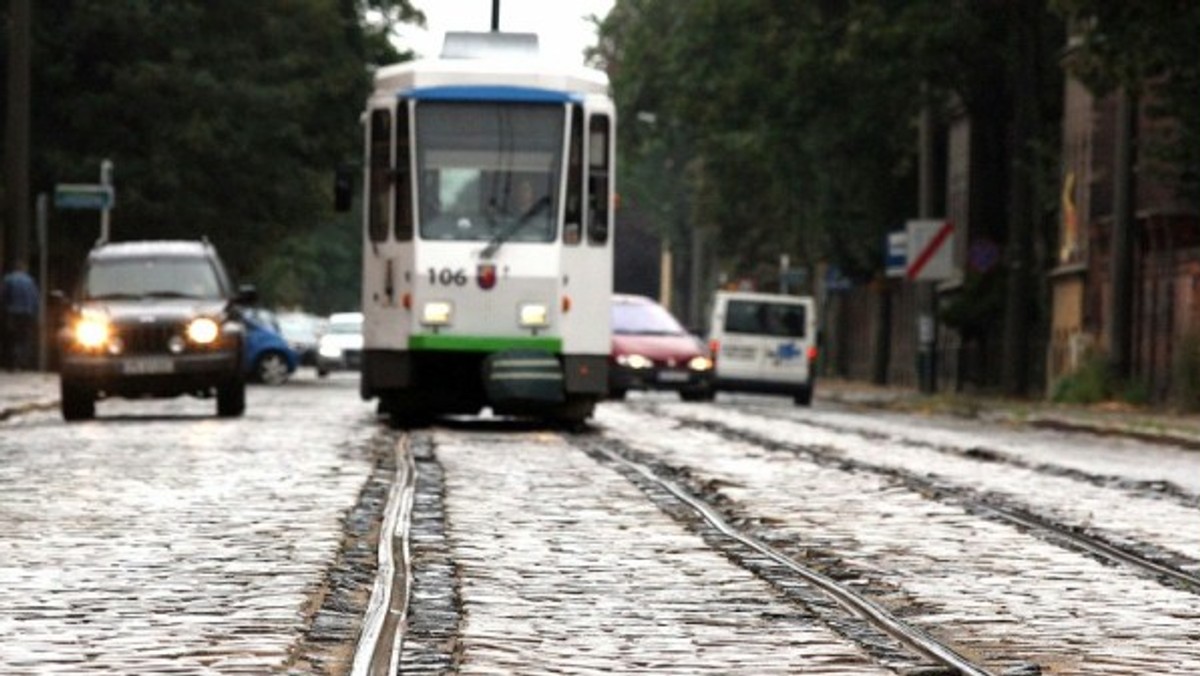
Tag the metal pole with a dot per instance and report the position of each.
(926, 291)
(106, 177)
(16, 135)
(1120, 333)
(495, 16)
(43, 209)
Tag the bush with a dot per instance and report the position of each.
(1185, 376)
(1091, 383)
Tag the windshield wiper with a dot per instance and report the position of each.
(170, 294)
(115, 295)
(503, 236)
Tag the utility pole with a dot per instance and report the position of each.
(16, 136)
(1120, 315)
(926, 291)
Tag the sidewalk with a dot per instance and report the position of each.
(1107, 419)
(25, 391)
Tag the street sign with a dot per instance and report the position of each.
(84, 196)
(930, 249)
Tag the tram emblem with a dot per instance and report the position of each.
(486, 276)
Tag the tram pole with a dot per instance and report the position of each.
(495, 16)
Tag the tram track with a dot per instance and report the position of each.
(1155, 489)
(1147, 559)
(377, 652)
(847, 598)
(946, 660)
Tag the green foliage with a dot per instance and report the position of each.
(222, 118)
(1151, 48)
(1185, 381)
(789, 127)
(1091, 383)
(976, 309)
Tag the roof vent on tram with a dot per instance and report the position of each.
(472, 45)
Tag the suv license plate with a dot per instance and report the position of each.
(141, 367)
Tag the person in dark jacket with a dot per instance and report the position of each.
(19, 300)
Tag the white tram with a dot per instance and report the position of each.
(488, 233)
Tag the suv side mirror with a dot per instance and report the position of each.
(247, 295)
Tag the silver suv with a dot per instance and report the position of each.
(157, 319)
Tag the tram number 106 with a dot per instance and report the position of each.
(447, 277)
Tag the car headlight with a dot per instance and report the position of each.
(700, 364)
(635, 361)
(533, 315)
(436, 313)
(203, 331)
(92, 331)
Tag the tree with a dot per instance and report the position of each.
(1150, 49)
(224, 119)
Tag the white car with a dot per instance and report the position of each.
(340, 346)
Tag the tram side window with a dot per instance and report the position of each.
(599, 130)
(573, 221)
(380, 176)
(403, 175)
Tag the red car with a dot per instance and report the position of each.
(652, 351)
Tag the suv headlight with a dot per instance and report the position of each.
(203, 331)
(92, 331)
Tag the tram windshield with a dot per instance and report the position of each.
(489, 171)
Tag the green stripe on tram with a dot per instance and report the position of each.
(484, 343)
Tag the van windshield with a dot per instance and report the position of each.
(765, 319)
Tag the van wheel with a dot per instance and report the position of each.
(803, 397)
(77, 402)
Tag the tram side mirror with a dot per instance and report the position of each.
(343, 189)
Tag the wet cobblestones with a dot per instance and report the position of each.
(1122, 515)
(567, 568)
(160, 539)
(991, 591)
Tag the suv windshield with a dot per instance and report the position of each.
(167, 277)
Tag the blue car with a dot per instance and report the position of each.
(268, 358)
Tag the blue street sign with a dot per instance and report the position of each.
(83, 196)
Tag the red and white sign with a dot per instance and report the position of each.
(930, 250)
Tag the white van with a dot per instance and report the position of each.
(764, 342)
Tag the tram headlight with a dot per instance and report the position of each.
(533, 315)
(437, 313)
(92, 331)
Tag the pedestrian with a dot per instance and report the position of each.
(19, 299)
